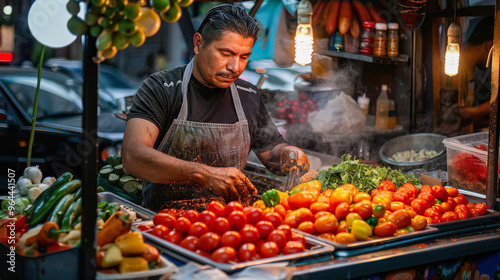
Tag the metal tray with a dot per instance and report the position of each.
(469, 222)
(142, 213)
(373, 242)
(316, 248)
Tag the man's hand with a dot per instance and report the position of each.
(230, 183)
(291, 156)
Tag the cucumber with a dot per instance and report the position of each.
(113, 179)
(105, 172)
(45, 195)
(70, 215)
(119, 170)
(47, 207)
(60, 209)
(124, 179)
(131, 187)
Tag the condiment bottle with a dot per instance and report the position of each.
(391, 115)
(364, 103)
(380, 39)
(393, 39)
(382, 114)
(366, 45)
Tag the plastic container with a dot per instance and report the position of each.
(467, 160)
(393, 39)
(364, 103)
(382, 114)
(392, 115)
(366, 45)
(380, 39)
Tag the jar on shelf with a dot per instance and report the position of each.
(366, 45)
(393, 39)
(380, 39)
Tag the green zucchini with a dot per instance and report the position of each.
(78, 193)
(77, 221)
(60, 209)
(41, 215)
(73, 211)
(43, 197)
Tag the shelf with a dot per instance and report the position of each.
(402, 59)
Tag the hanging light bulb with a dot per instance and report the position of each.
(304, 34)
(452, 56)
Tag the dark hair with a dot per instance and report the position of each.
(483, 31)
(227, 17)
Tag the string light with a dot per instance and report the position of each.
(304, 34)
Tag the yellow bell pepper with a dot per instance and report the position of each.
(131, 243)
(314, 186)
(282, 195)
(268, 209)
(259, 204)
(132, 264)
(361, 230)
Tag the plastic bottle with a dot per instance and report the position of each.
(380, 39)
(393, 39)
(382, 114)
(392, 115)
(364, 103)
(366, 45)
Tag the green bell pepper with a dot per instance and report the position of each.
(271, 198)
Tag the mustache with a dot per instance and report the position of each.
(227, 75)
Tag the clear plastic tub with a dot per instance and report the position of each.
(467, 159)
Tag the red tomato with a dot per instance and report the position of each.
(470, 205)
(438, 209)
(190, 243)
(303, 215)
(462, 211)
(253, 214)
(269, 250)
(373, 193)
(191, 215)
(452, 202)
(433, 214)
(319, 206)
(322, 213)
(360, 196)
(449, 216)
(461, 199)
(481, 208)
(174, 237)
(160, 231)
(287, 230)
(306, 227)
(264, 228)
(232, 206)
(164, 219)
(236, 219)
(291, 221)
(298, 237)
(279, 237)
(363, 208)
(429, 198)
(292, 247)
(224, 254)
(182, 225)
(203, 253)
(198, 229)
(396, 205)
(247, 252)
(302, 199)
(143, 227)
(220, 225)
(385, 229)
(338, 197)
(446, 206)
(231, 238)
(418, 223)
(216, 207)
(452, 191)
(440, 192)
(342, 227)
(426, 189)
(274, 218)
(419, 205)
(284, 202)
(386, 185)
(209, 241)
(412, 190)
(402, 196)
(326, 223)
(327, 235)
(401, 218)
(207, 217)
(249, 234)
(280, 209)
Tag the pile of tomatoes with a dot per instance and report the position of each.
(230, 233)
(345, 215)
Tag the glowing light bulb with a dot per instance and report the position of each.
(304, 34)
(452, 58)
(452, 55)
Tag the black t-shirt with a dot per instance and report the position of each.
(159, 100)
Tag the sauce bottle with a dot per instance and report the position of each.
(382, 114)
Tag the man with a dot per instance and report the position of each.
(190, 129)
(474, 94)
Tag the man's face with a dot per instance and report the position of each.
(219, 64)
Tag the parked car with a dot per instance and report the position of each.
(111, 80)
(58, 144)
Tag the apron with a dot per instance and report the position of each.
(213, 144)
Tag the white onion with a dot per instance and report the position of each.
(43, 186)
(21, 185)
(33, 173)
(48, 180)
